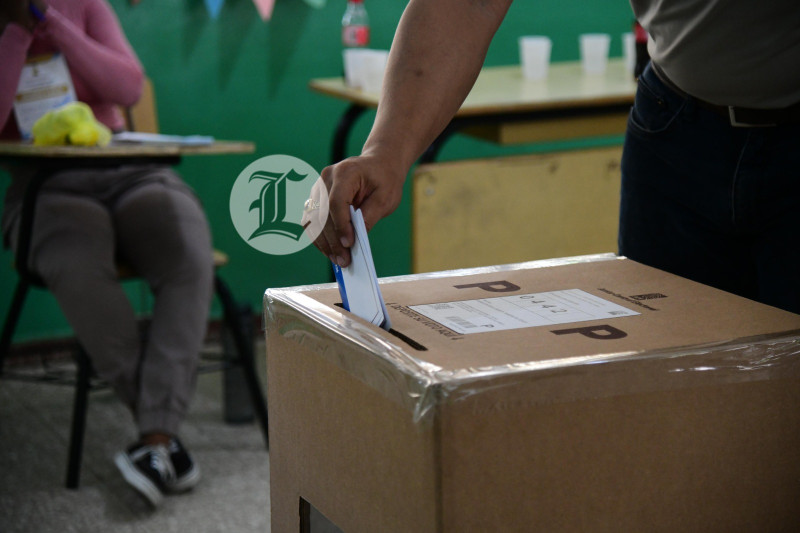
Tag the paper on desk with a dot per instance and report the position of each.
(358, 283)
(158, 138)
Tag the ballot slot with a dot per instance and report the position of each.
(399, 334)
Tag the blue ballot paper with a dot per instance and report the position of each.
(358, 284)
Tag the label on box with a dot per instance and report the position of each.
(521, 311)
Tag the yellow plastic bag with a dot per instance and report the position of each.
(72, 123)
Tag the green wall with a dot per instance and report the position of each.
(237, 77)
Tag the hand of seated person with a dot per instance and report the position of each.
(18, 11)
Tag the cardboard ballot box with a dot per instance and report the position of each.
(583, 394)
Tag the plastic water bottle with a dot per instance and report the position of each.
(355, 25)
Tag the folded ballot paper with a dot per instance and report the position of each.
(358, 284)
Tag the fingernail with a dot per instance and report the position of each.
(345, 242)
(340, 261)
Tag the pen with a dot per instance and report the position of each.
(38, 15)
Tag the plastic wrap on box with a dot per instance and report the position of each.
(387, 364)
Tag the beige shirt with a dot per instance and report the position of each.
(728, 52)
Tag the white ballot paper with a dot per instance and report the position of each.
(44, 84)
(358, 284)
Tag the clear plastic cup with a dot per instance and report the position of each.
(373, 68)
(629, 51)
(364, 68)
(594, 52)
(534, 54)
(353, 67)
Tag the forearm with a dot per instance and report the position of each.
(437, 53)
(101, 56)
(436, 56)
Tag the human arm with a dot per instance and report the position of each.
(437, 53)
(104, 68)
(98, 53)
(16, 25)
(20, 12)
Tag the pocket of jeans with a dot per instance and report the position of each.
(655, 109)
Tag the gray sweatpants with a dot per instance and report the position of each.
(146, 216)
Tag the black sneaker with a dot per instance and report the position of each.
(148, 469)
(187, 473)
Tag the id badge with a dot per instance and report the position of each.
(45, 84)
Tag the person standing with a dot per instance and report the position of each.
(710, 184)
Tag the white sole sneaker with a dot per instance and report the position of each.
(137, 480)
(186, 482)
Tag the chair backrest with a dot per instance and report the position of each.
(142, 116)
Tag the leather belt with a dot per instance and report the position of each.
(743, 117)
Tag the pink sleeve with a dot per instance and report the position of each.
(14, 44)
(101, 55)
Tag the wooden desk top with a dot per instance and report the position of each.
(123, 150)
(504, 90)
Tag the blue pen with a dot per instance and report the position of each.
(38, 15)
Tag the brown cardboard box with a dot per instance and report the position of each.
(681, 417)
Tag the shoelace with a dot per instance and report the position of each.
(159, 460)
(160, 463)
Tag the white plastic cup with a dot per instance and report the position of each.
(594, 52)
(364, 68)
(353, 67)
(629, 51)
(534, 54)
(373, 69)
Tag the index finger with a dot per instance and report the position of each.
(338, 233)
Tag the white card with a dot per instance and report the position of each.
(358, 283)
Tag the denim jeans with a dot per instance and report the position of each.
(711, 202)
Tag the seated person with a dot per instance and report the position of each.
(87, 219)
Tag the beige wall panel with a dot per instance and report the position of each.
(504, 210)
